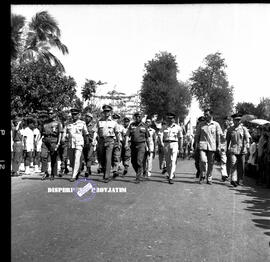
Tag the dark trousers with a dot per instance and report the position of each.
(116, 156)
(63, 155)
(44, 156)
(197, 162)
(138, 157)
(125, 155)
(88, 151)
(36, 157)
(27, 158)
(17, 156)
(104, 150)
(51, 145)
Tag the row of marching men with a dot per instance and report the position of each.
(114, 141)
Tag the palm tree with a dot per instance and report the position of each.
(17, 23)
(42, 34)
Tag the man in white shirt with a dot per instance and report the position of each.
(152, 147)
(28, 141)
(172, 140)
(77, 130)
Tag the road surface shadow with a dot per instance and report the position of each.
(258, 204)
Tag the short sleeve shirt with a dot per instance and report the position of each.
(76, 132)
(37, 139)
(138, 133)
(52, 129)
(29, 139)
(107, 128)
(172, 132)
(152, 134)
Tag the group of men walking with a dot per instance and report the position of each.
(116, 141)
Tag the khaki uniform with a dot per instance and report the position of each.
(170, 136)
(237, 141)
(208, 142)
(76, 132)
(107, 130)
(149, 158)
(138, 134)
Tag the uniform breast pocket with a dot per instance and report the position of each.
(142, 130)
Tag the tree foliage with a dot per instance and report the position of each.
(37, 85)
(33, 41)
(210, 86)
(263, 108)
(246, 108)
(161, 92)
(89, 89)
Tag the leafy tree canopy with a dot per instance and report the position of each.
(161, 92)
(210, 86)
(37, 85)
(33, 41)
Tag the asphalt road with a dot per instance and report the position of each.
(152, 221)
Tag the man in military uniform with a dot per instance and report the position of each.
(63, 148)
(172, 141)
(224, 167)
(161, 155)
(237, 144)
(90, 142)
(196, 149)
(107, 135)
(51, 132)
(125, 153)
(117, 147)
(139, 137)
(152, 148)
(207, 141)
(76, 130)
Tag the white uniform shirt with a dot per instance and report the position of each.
(171, 133)
(75, 132)
(29, 139)
(37, 139)
(152, 133)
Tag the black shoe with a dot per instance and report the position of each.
(106, 180)
(66, 171)
(164, 171)
(234, 183)
(86, 174)
(209, 182)
(125, 172)
(45, 176)
(224, 178)
(115, 174)
(77, 176)
(171, 181)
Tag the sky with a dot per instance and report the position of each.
(112, 43)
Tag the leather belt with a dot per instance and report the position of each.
(169, 141)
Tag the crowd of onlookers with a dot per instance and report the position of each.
(258, 158)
